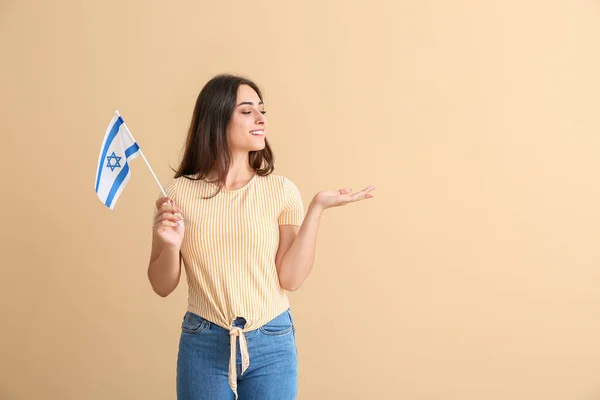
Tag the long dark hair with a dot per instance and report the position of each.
(206, 146)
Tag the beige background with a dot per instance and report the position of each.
(473, 275)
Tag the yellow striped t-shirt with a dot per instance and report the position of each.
(229, 249)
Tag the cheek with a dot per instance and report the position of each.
(236, 132)
(237, 125)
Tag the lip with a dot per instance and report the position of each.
(258, 130)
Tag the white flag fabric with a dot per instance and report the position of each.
(113, 173)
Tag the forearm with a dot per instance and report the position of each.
(164, 268)
(299, 258)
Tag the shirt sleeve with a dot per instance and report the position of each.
(293, 209)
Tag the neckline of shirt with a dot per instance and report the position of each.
(245, 186)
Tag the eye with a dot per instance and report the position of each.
(250, 112)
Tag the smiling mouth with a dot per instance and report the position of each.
(259, 132)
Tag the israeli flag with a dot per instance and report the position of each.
(117, 149)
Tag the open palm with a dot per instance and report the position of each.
(335, 198)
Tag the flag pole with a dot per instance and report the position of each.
(143, 156)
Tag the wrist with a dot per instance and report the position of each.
(171, 247)
(315, 207)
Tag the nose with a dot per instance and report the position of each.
(261, 119)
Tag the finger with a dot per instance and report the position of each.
(166, 224)
(367, 189)
(170, 210)
(166, 200)
(366, 196)
(346, 198)
(166, 207)
(359, 199)
(162, 200)
(364, 192)
(168, 216)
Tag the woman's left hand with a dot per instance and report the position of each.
(334, 198)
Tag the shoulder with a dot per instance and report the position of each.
(181, 185)
(279, 183)
(173, 184)
(171, 187)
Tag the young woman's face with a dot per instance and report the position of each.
(247, 127)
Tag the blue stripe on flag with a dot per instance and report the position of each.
(131, 150)
(109, 139)
(117, 184)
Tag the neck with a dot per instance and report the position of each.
(240, 171)
(240, 167)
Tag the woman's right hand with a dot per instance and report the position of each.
(168, 222)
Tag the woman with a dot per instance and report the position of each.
(247, 242)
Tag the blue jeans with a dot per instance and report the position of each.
(203, 361)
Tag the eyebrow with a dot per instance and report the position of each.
(249, 103)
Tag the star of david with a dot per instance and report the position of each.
(115, 164)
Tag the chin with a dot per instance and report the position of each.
(257, 148)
